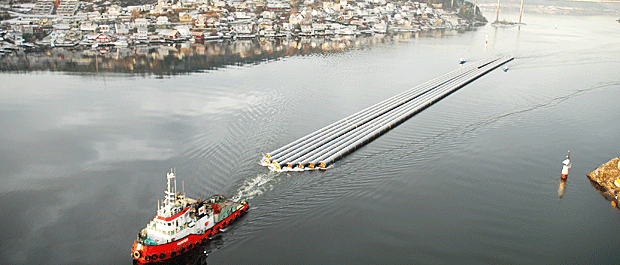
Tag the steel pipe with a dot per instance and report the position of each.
(336, 145)
(332, 142)
(422, 105)
(352, 118)
(355, 120)
(405, 111)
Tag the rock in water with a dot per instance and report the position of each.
(605, 178)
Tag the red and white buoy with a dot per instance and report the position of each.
(567, 165)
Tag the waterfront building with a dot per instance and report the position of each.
(162, 21)
(88, 26)
(141, 33)
(214, 21)
(114, 11)
(44, 7)
(141, 22)
(170, 34)
(184, 31)
(197, 35)
(15, 36)
(94, 15)
(68, 8)
(200, 22)
(184, 17)
(296, 19)
(218, 4)
(103, 39)
(104, 28)
(243, 16)
(245, 28)
(121, 28)
(141, 8)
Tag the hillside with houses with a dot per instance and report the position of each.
(44, 24)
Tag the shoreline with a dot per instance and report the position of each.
(179, 58)
(40, 26)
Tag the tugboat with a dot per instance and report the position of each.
(182, 224)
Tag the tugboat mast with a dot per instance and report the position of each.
(170, 193)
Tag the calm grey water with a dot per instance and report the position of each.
(473, 179)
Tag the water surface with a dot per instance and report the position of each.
(472, 179)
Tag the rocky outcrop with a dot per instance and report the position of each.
(604, 178)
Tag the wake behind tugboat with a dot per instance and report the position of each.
(182, 224)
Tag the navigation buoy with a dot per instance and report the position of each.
(566, 167)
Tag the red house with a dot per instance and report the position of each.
(103, 39)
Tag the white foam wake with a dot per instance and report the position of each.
(255, 186)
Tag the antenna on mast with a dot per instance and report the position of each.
(175, 184)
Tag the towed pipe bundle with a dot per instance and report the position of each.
(387, 121)
(318, 146)
(313, 146)
(374, 134)
(361, 132)
(336, 143)
(353, 120)
(311, 164)
(381, 105)
(335, 130)
(324, 163)
(342, 142)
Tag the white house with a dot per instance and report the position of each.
(295, 19)
(88, 26)
(141, 22)
(121, 28)
(141, 33)
(104, 28)
(162, 20)
(170, 34)
(183, 30)
(113, 11)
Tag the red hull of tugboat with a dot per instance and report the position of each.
(149, 254)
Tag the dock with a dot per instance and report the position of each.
(323, 147)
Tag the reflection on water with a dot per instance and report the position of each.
(170, 59)
(609, 195)
(562, 188)
(469, 180)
